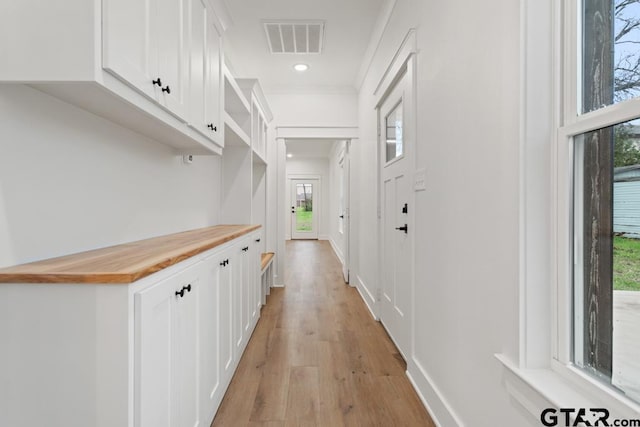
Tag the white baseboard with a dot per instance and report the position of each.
(369, 300)
(438, 407)
(336, 250)
(323, 237)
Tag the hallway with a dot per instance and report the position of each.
(317, 357)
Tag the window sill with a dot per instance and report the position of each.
(538, 389)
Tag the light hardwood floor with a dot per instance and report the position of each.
(317, 357)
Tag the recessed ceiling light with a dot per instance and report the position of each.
(301, 67)
(289, 155)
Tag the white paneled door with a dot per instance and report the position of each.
(397, 230)
(304, 212)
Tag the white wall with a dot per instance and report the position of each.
(70, 181)
(466, 254)
(336, 108)
(311, 167)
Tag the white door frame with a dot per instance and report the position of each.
(284, 132)
(404, 61)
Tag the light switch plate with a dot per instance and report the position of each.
(420, 180)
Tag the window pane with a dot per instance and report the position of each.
(610, 52)
(607, 261)
(393, 124)
(304, 208)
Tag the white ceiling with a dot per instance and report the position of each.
(348, 31)
(303, 148)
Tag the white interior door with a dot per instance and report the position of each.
(343, 226)
(304, 212)
(396, 164)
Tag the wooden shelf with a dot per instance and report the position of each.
(234, 135)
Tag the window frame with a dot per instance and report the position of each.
(538, 373)
(570, 124)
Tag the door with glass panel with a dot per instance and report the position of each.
(304, 212)
(396, 154)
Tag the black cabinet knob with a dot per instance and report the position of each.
(257, 240)
(180, 293)
(188, 287)
(212, 127)
(223, 263)
(404, 228)
(245, 249)
(157, 82)
(341, 216)
(167, 89)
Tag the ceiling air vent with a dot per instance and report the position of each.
(295, 36)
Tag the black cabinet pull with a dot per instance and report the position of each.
(167, 89)
(404, 228)
(341, 216)
(245, 249)
(257, 240)
(212, 127)
(180, 293)
(405, 209)
(157, 82)
(223, 263)
(188, 287)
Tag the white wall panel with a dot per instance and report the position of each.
(70, 181)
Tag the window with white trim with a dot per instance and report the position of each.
(599, 174)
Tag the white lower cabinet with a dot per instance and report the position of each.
(158, 352)
(167, 338)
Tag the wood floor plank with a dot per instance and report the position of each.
(318, 358)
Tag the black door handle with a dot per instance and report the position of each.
(404, 228)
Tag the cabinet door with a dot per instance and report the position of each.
(254, 271)
(210, 335)
(166, 372)
(204, 71)
(247, 295)
(154, 338)
(169, 28)
(128, 45)
(197, 64)
(213, 81)
(227, 343)
(238, 300)
(185, 352)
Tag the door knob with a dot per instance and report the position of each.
(404, 228)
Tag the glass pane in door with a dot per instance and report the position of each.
(393, 125)
(304, 207)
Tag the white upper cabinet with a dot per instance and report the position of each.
(204, 71)
(128, 43)
(152, 66)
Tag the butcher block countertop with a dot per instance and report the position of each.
(124, 263)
